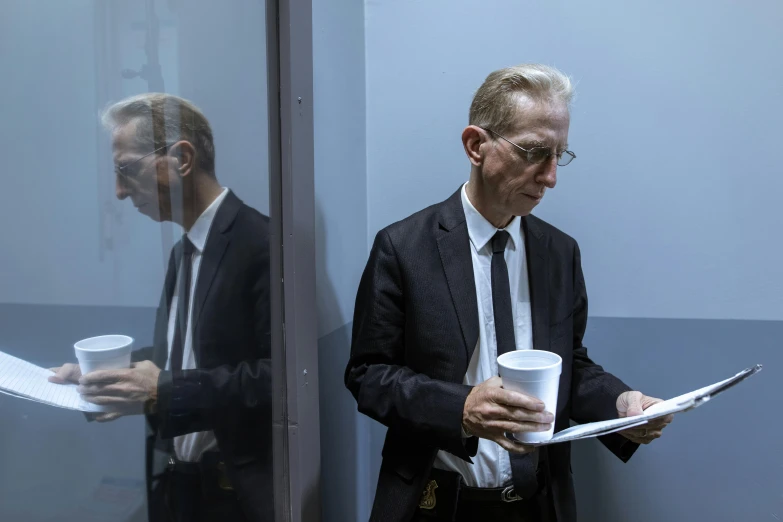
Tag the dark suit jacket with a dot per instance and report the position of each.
(416, 326)
(230, 391)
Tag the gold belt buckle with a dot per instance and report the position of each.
(428, 500)
(223, 482)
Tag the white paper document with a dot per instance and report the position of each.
(678, 404)
(25, 380)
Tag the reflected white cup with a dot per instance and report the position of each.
(105, 352)
(535, 373)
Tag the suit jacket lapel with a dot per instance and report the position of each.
(214, 249)
(538, 276)
(454, 248)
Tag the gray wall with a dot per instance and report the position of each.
(341, 249)
(721, 462)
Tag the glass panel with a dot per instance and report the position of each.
(140, 215)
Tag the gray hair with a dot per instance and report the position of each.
(494, 104)
(164, 119)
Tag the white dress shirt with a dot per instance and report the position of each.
(191, 446)
(491, 466)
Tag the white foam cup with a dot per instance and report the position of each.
(535, 373)
(105, 352)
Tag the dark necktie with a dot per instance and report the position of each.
(523, 467)
(183, 303)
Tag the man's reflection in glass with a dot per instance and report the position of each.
(205, 384)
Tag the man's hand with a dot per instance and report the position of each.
(632, 403)
(66, 374)
(490, 411)
(125, 391)
(70, 374)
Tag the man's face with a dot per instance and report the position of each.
(147, 181)
(513, 185)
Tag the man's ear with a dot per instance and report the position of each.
(183, 154)
(473, 138)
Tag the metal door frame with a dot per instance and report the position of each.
(292, 207)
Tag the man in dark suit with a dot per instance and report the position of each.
(205, 384)
(448, 289)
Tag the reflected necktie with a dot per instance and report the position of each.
(183, 303)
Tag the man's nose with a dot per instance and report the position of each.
(121, 188)
(548, 174)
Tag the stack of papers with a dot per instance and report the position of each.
(25, 380)
(685, 402)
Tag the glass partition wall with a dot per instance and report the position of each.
(142, 297)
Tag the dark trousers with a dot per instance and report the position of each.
(494, 512)
(186, 497)
(479, 512)
(539, 511)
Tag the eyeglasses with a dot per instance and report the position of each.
(538, 155)
(122, 169)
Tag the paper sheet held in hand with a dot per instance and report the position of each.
(25, 380)
(678, 404)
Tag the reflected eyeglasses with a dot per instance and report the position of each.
(122, 169)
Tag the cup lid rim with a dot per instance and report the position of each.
(127, 340)
(508, 355)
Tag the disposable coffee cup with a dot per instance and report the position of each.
(535, 373)
(106, 352)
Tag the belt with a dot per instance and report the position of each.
(181, 466)
(448, 487)
(210, 468)
(507, 494)
(502, 494)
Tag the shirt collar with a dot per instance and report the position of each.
(200, 230)
(482, 231)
